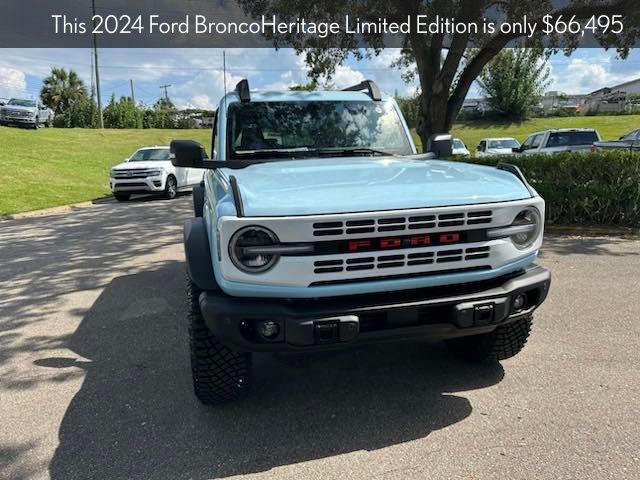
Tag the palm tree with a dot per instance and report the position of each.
(61, 89)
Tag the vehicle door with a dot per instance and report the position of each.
(43, 112)
(533, 144)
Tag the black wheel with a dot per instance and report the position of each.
(48, 123)
(36, 125)
(122, 197)
(220, 374)
(171, 187)
(198, 200)
(504, 342)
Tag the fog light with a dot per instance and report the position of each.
(519, 302)
(268, 329)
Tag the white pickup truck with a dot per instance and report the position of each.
(559, 140)
(28, 112)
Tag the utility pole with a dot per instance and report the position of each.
(133, 95)
(166, 95)
(95, 61)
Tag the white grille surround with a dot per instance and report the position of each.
(310, 270)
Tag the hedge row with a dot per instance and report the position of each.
(600, 188)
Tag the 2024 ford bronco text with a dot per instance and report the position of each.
(318, 226)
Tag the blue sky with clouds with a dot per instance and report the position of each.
(196, 76)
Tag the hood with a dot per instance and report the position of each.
(141, 165)
(342, 185)
(499, 151)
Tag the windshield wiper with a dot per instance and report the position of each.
(274, 152)
(354, 151)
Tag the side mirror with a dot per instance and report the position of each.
(187, 153)
(516, 149)
(441, 145)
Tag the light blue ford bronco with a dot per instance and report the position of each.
(318, 226)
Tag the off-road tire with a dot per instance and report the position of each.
(122, 197)
(219, 373)
(504, 342)
(171, 188)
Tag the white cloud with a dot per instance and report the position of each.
(13, 82)
(346, 76)
(583, 76)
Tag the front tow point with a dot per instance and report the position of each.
(483, 314)
(322, 331)
(325, 332)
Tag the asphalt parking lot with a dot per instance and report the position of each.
(95, 381)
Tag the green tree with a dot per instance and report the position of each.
(83, 113)
(410, 108)
(61, 89)
(311, 86)
(514, 82)
(122, 114)
(444, 65)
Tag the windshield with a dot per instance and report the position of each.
(304, 128)
(503, 143)
(457, 143)
(21, 103)
(150, 154)
(564, 139)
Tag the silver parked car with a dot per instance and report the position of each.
(559, 140)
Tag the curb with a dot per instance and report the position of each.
(591, 231)
(59, 209)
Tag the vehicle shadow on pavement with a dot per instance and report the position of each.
(581, 245)
(48, 258)
(135, 415)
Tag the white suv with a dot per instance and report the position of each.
(149, 170)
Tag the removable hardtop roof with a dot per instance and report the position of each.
(563, 130)
(365, 90)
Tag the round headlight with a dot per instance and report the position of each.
(241, 249)
(530, 217)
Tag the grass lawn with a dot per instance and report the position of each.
(50, 167)
(609, 127)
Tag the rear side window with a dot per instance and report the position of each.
(532, 142)
(566, 139)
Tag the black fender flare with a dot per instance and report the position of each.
(198, 255)
(198, 200)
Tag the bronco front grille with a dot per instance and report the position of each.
(397, 260)
(401, 223)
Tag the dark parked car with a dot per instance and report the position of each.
(629, 141)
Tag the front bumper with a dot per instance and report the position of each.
(137, 185)
(316, 324)
(17, 120)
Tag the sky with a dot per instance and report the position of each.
(197, 80)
